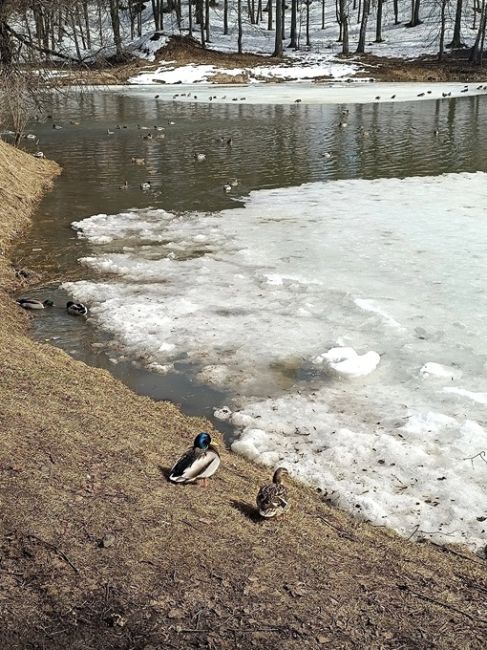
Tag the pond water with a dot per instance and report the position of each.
(213, 298)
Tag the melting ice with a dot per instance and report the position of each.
(257, 299)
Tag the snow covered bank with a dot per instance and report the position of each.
(169, 73)
(250, 298)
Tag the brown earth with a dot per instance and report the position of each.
(99, 551)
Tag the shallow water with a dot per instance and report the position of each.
(271, 246)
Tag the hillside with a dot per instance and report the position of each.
(98, 550)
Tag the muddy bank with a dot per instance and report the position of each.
(181, 51)
(98, 550)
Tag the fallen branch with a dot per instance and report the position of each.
(42, 50)
(57, 550)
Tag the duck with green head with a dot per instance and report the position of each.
(31, 303)
(199, 462)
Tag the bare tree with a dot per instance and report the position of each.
(115, 18)
(476, 53)
(378, 23)
(293, 43)
(415, 21)
(456, 41)
(279, 23)
(396, 12)
(343, 21)
(239, 18)
(442, 30)
(363, 27)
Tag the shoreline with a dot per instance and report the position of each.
(101, 549)
(241, 69)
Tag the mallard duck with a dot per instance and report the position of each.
(200, 157)
(76, 308)
(227, 188)
(145, 187)
(31, 303)
(272, 499)
(197, 463)
(125, 186)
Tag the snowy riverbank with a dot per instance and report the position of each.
(391, 266)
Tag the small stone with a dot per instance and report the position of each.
(106, 541)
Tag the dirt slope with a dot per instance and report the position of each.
(99, 551)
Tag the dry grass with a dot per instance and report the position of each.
(83, 459)
(454, 67)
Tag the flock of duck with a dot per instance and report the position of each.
(201, 461)
(146, 186)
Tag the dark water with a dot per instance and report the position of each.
(272, 146)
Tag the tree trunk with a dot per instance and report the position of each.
(283, 19)
(6, 52)
(343, 22)
(415, 21)
(251, 11)
(100, 25)
(87, 23)
(207, 20)
(476, 52)
(293, 43)
(378, 25)
(396, 12)
(345, 45)
(80, 25)
(475, 9)
(456, 42)
(190, 17)
(278, 40)
(308, 41)
(269, 15)
(115, 18)
(322, 14)
(239, 18)
(442, 30)
(139, 23)
(179, 14)
(225, 17)
(363, 27)
(201, 20)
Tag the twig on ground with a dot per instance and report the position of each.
(440, 603)
(481, 455)
(57, 550)
(457, 553)
(340, 531)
